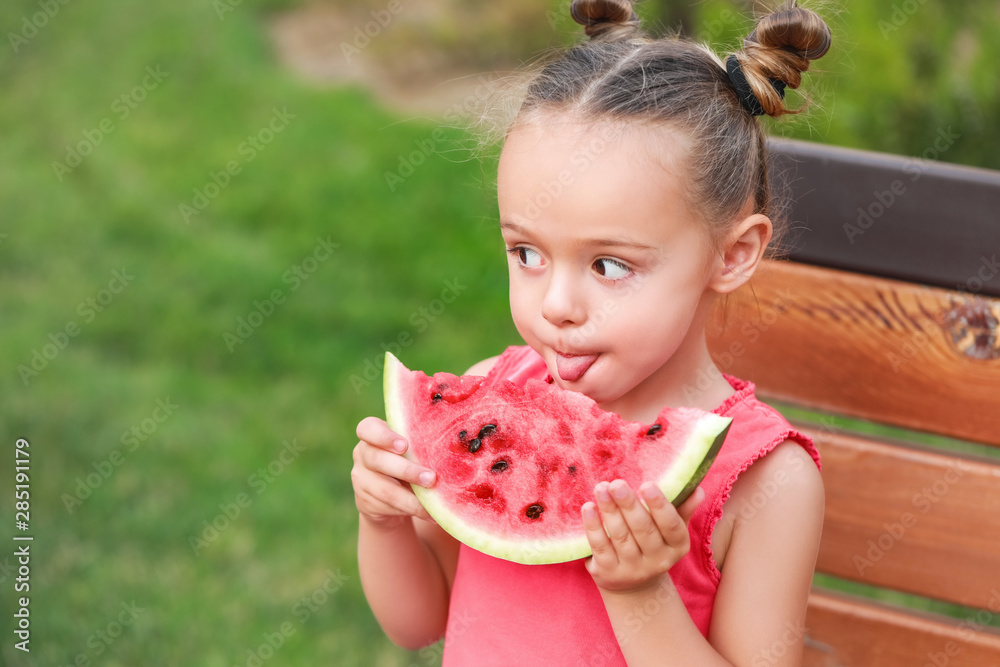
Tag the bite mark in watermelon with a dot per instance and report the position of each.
(515, 465)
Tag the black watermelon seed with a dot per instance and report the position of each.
(653, 429)
(534, 511)
(474, 445)
(486, 430)
(572, 470)
(499, 466)
(436, 397)
(461, 436)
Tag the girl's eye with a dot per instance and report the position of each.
(526, 256)
(611, 269)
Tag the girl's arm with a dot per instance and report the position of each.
(759, 611)
(406, 561)
(406, 572)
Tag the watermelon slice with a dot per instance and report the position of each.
(514, 466)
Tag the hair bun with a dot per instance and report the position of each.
(780, 48)
(606, 20)
(795, 28)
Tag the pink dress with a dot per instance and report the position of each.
(506, 614)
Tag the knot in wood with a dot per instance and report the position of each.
(973, 327)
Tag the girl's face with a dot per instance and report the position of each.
(608, 268)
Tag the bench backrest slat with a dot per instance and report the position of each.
(879, 349)
(913, 520)
(846, 632)
(888, 215)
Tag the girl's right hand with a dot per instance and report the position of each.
(382, 476)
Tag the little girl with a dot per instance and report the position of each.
(633, 192)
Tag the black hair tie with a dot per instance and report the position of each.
(743, 89)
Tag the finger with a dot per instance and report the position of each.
(615, 524)
(376, 432)
(688, 507)
(397, 466)
(600, 545)
(672, 527)
(644, 530)
(377, 495)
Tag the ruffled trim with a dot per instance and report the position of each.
(727, 488)
(745, 391)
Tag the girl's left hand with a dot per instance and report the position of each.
(633, 546)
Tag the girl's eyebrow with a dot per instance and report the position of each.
(604, 242)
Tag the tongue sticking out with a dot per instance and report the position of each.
(571, 368)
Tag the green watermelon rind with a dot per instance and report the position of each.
(686, 471)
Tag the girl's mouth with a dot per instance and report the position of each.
(571, 367)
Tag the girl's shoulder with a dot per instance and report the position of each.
(483, 367)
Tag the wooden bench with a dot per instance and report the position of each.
(887, 311)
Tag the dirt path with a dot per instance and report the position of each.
(332, 46)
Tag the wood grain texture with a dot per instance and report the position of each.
(913, 219)
(844, 631)
(912, 520)
(917, 357)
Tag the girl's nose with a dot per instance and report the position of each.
(563, 305)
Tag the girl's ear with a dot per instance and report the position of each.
(741, 253)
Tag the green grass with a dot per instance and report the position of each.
(162, 335)
(299, 376)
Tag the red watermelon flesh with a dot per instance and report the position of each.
(514, 466)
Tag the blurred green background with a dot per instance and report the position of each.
(190, 378)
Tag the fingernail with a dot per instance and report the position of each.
(602, 492)
(648, 491)
(620, 491)
(426, 478)
(589, 511)
(399, 445)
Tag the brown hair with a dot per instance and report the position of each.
(623, 75)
